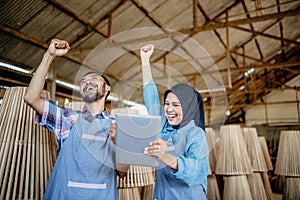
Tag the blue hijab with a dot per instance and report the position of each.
(191, 103)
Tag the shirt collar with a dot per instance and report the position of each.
(86, 114)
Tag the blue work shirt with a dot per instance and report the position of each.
(190, 147)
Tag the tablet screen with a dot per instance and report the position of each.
(133, 134)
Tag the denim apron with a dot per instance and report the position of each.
(85, 166)
(167, 186)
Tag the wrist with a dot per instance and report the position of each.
(48, 54)
(145, 61)
(47, 60)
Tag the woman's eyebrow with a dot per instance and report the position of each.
(174, 102)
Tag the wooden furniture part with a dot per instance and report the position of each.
(27, 151)
(213, 192)
(233, 158)
(256, 186)
(265, 151)
(257, 159)
(236, 187)
(212, 141)
(288, 159)
(288, 163)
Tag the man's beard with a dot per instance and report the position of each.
(90, 98)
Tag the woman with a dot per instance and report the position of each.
(182, 149)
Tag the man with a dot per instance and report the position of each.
(85, 167)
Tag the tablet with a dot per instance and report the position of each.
(133, 134)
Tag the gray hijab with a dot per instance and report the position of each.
(191, 102)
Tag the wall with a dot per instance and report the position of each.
(283, 113)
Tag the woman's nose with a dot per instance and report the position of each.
(170, 108)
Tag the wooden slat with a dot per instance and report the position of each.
(236, 187)
(257, 159)
(18, 168)
(232, 158)
(288, 159)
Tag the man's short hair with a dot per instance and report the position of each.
(105, 79)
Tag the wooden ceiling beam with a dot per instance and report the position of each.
(242, 45)
(218, 25)
(283, 66)
(243, 69)
(252, 28)
(244, 105)
(74, 15)
(157, 23)
(259, 87)
(249, 57)
(190, 35)
(90, 28)
(207, 18)
(206, 24)
(13, 81)
(262, 9)
(195, 13)
(139, 5)
(147, 14)
(23, 36)
(43, 45)
(258, 33)
(84, 36)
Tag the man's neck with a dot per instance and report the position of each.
(96, 107)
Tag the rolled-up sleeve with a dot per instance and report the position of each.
(56, 119)
(48, 119)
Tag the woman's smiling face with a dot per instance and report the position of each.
(173, 109)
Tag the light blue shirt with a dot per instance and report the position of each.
(190, 147)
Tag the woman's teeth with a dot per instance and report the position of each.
(171, 115)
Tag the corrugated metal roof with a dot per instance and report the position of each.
(191, 41)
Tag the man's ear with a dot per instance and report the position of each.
(107, 88)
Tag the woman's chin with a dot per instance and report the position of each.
(173, 122)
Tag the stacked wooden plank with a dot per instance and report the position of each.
(259, 166)
(213, 192)
(233, 163)
(288, 163)
(265, 151)
(27, 151)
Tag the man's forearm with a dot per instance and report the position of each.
(33, 93)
